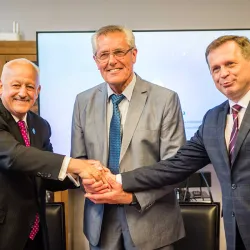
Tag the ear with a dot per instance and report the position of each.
(1, 87)
(38, 90)
(96, 61)
(134, 55)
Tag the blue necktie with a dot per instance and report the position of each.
(115, 135)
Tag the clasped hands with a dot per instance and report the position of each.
(99, 183)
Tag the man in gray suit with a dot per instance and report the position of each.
(223, 139)
(150, 128)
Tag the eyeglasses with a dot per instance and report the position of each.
(116, 53)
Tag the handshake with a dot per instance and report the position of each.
(89, 169)
(99, 183)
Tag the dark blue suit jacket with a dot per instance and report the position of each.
(208, 146)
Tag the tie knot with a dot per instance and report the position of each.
(116, 99)
(236, 109)
(21, 124)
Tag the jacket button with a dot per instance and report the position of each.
(233, 214)
(234, 186)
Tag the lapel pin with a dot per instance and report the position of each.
(33, 131)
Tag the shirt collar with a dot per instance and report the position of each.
(127, 92)
(17, 119)
(243, 102)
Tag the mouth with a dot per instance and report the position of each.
(114, 70)
(22, 101)
(227, 84)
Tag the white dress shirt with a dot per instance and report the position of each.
(243, 102)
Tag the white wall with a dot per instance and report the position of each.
(35, 15)
(46, 15)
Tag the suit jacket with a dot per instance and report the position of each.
(208, 146)
(25, 174)
(153, 130)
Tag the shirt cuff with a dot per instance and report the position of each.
(118, 178)
(63, 172)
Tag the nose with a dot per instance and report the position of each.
(22, 92)
(224, 72)
(112, 59)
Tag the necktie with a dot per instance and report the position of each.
(115, 135)
(235, 111)
(35, 227)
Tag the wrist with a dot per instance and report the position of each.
(134, 200)
(73, 167)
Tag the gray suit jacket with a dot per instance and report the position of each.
(153, 131)
(208, 146)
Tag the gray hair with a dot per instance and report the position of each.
(21, 61)
(112, 29)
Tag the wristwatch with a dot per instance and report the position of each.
(134, 201)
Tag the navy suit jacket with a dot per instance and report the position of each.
(208, 146)
(25, 174)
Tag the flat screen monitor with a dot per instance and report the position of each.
(173, 59)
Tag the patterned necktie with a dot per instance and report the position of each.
(115, 135)
(235, 111)
(35, 227)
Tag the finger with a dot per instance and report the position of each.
(96, 184)
(112, 181)
(104, 180)
(88, 181)
(92, 189)
(106, 169)
(97, 175)
(87, 190)
(103, 191)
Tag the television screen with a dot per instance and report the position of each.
(173, 59)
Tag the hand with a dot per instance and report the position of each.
(87, 169)
(95, 187)
(115, 196)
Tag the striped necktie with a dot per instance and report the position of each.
(235, 111)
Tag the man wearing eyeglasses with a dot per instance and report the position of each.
(127, 122)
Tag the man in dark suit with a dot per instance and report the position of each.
(27, 165)
(223, 139)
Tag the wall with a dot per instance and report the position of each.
(34, 15)
(46, 15)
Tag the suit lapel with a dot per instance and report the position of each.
(222, 117)
(135, 109)
(244, 129)
(14, 129)
(32, 130)
(100, 111)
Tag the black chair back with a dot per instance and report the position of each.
(56, 225)
(202, 225)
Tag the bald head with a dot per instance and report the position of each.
(14, 64)
(19, 86)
